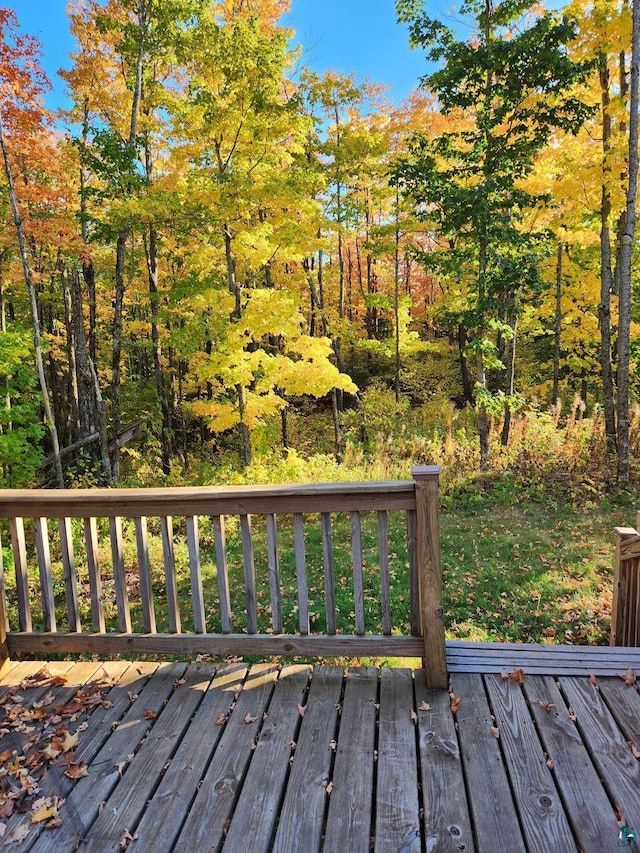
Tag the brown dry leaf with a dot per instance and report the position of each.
(53, 824)
(132, 696)
(518, 675)
(455, 703)
(5, 756)
(332, 745)
(634, 749)
(221, 719)
(572, 714)
(249, 719)
(414, 717)
(593, 680)
(178, 682)
(546, 706)
(495, 731)
(225, 827)
(549, 764)
(503, 673)
(302, 709)
(329, 788)
(150, 714)
(70, 741)
(18, 835)
(127, 838)
(75, 771)
(629, 678)
(423, 706)
(292, 744)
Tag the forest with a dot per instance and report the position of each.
(219, 264)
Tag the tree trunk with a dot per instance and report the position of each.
(467, 386)
(624, 320)
(510, 379)
(557, 327)
(396, 297)
(17, 220)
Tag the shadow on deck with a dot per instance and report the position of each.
(199, 757)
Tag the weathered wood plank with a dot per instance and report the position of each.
(328, 571)
(414, 588)
(397, 809)
(83, 804)
(542, 817)
(195, 573)
(128, 800)
(385, 580)
(274, 574)
(256, 812)
(144, 573)
(249, 574)
(494, 816)
(339, 645)
(70, 575)
(623, 701)
(208, 500)
(588, 807)
(447, 824)
(119, 575)
(358, 581)
(608, 749)
(301, 573)
(163, 819)
(171, 583)
(46, 579)
(95, 581)
(213, 805)
(223, 575)
(303, 808)
(350, 804)
(18, 544)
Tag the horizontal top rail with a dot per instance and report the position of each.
(207, 500)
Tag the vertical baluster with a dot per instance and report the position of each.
(197, 599)
(329, 577)
(4, 613)
(70, 576)
(173, 606)
(144, 570)
(274, 574)
(46, 579)
(358, 583)
(412, 553)
(119, 575)
(16, 526)
(249, 574)
(385, 582)
(95, 581)
(223, 575)
(301, 572)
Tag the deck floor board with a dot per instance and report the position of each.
(379, 762)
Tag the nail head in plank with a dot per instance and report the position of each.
(301, 572)
(223, 575)
(168, 559)
(16, 526)
(119, 574)
(95, 581)
(249, 574)
(329, 576)
(274, 574)
(70, 574)
(46, 579)
(197, 599)
(144, 571)
(358, 581)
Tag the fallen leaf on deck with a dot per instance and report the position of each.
(593, 680)
(329, 788)
(53, 824)
(221, 719)
(503, 673)
(629, 678)
(292, 744)
(70, 741)
(495, 732)
(546, 706)
(332, 745)
(572, 714)
(634, 749)
(178, 682)
(414, 716)
(455, 703)
(249, 719)
(18, 835)
(518, 675)
(45, 812)
(127, 838)
(132, 696)
(150, 714)
(301, 709)
(423, 706)
(549, 764)
(75, 771)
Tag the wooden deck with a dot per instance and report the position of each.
(205, 757)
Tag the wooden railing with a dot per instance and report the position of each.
(132, 590)
(625, 610)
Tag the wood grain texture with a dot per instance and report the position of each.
(303, 808)
(397, 825)
(195, 574)
(328, 572)
(249, 570)
(256, 811)
(447, 824)
(358, 581)
(414, 585)
(385, 580)
(217, 793)
(144, 573)
(274, 574)
(46, 579)
(573, 770)
(495, 819)
(70, 575)
(350, 804)
(223, 575)
(171, 582)
(119, 575)
(301, 573)
(623, 700)
(19, 547)
(95, 580)
(542, 816)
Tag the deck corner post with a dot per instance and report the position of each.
(430, 574)
(623, 614)
(4, 623)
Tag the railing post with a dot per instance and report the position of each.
(4, 623)
(430, 574)
(623, 609)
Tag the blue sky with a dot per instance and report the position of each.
(342, 35)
